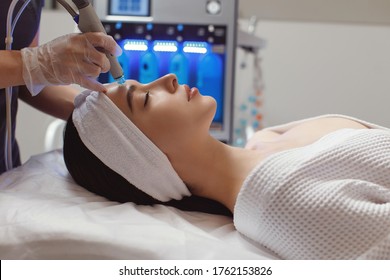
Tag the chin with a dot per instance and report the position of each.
(210, 101)
(211, 107)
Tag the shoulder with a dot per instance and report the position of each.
(301, 133)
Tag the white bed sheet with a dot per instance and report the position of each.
(45, 215)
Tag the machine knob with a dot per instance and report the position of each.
(213, 7)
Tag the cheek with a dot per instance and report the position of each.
(187, 118)
(160, 128)
(167, 125)
(162, 135)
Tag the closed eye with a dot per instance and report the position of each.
(146, 98)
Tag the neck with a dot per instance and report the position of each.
(214, 170)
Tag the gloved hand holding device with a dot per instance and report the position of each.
(72, 58)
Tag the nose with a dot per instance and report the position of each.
(169, 82)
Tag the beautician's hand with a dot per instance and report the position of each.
(70, 59)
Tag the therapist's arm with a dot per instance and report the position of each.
(10, 69)
(56, 101)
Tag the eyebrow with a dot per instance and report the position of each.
(130, 92)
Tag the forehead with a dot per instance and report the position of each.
(118, 95)
(128, 83)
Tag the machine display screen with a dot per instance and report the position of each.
(129, 7)
(196, 54)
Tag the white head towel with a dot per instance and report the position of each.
(119, 144)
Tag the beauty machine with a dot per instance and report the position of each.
(195, 40)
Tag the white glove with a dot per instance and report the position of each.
(70, 59)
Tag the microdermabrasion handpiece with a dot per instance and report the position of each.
(89, 22)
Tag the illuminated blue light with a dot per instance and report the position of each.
(149, 26)
(165, 46)
(118, 25)
(135, 45)
(195, 47)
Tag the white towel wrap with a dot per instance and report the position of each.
(327, 200)
(120, 145)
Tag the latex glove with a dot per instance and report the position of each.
(70, 59)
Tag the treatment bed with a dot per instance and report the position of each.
(44, 214)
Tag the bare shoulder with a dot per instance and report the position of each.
(324, 125)
(303, 133)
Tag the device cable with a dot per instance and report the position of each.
(8, 91)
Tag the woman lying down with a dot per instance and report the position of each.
(313, 189)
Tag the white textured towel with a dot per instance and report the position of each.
(327, 200)
(119, 144)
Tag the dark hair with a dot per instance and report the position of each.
(92, 174)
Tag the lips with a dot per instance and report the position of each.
(191, 92)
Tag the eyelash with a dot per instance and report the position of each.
(146, 98)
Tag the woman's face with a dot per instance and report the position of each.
(166, 112)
